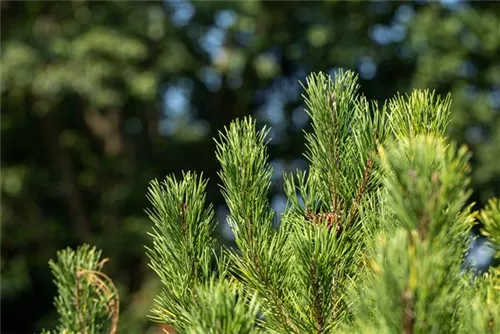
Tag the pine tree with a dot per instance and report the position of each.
(372, 239)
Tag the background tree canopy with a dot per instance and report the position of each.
(98, 98)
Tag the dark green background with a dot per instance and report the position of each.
(100, 97)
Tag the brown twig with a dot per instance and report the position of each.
(369, 165)
(77, 303)
(408, 316)
(333, 101)
(424, 221)
(318, 300)
(362, 186)
(182, 213)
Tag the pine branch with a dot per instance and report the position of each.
(417, 283)
(490, 218)
(87, 300)
(246, 178)
(182, 246)
(427, 185)
(479, 306)
(419, 113)
(223, 307)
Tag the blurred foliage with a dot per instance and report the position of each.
(98, 98)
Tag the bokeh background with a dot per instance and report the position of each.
(98, 98)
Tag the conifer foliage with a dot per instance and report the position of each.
(372, 239)
(87, 300)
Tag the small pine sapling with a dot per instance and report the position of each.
(372, 239)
